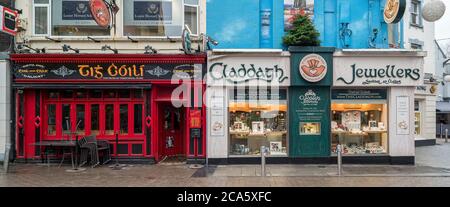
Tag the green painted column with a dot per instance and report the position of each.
(310, 101)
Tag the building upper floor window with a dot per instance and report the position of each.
(416, 13)
(159, 18)
(65, 18)
(149, 18)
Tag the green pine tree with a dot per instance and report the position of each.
(303, 33)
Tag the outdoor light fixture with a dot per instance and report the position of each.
(93, 40)
(66, 48)
(107, 47)
(54, 40)
(150, 50)
(433, 10)
(132, 40)
(22, 46)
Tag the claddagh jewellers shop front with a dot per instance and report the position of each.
(143, 105)
(301, 104)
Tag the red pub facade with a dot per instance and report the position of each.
(152, 103)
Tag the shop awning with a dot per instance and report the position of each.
(442, 107)
(81, 86)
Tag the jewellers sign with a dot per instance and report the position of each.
(111, 71)
(378, 71)
(248, 71)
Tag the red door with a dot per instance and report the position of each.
(171, 125)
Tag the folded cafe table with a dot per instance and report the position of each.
(63, 144)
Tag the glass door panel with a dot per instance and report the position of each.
(51, 119)
(81, 119)
(95, 119)
(109, 119)
(123, 119)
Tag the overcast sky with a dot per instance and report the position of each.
(443, 25)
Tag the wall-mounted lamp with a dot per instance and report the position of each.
(66, 48)
(150, 50)
(107, 47)
(36, 50)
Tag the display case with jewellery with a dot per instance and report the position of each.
(359, 128)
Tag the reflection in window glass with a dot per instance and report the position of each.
(138, 118)
(153, 18)
(123, 118)
(138, 93)
(53, 94)
(73, 18)
(109, 94)
(80, 119)
(109, 119)
(51, 122)
(81, 94)
(66, 119)
(95, 119)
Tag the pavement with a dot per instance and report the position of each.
(432, 169)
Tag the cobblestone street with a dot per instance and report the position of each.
(432, 169)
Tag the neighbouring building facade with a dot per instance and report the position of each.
(419, 34)
(131, 82)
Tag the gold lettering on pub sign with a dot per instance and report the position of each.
(112, 71)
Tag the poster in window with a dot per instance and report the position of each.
(403, 116)
(152, 12)
(71, 13)
(296, 7)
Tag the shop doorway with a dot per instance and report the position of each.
(171, 130)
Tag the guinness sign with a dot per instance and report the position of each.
(100, 13)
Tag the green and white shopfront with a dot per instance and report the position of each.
(302, 103)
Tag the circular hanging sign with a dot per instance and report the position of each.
(394, 11)
(313, 68)
(433, 11)
(100, 13)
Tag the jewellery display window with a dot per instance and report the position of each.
(360, 127)
(256, 123)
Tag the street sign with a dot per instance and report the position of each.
(8, 19)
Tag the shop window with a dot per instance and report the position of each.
(136, 149)
(95, 119)
(67, 94)
(109, 119)
(124, 93)
(138, 118)
(66, 119)
(138, 94)
(109, 94)
(360, 126)
(417, 118)
(257, 120)
(81, 111)
(95, 93)
(123, 119)
(53, 94)
(81, 94)
(51, 121)
(159, 18)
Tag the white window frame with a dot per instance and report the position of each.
(50, 26)
(48, 6)
(197, 7)
(164, 37)
(416, 4)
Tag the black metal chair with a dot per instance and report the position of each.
(90, 146)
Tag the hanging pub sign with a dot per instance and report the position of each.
(8, 19)
(111, 71)
(394, 11)
(313, 68)
(100, 12)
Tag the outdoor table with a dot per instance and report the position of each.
(58, 144)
